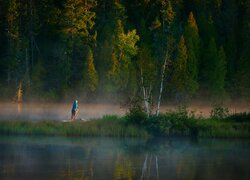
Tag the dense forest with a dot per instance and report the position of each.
(119, 50)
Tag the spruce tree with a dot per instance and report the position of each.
(78, 22)
(215, 70)
(184, 85)
(220, 74)
(243, 64)
(211, 57)
(193, 46)
(91, 73)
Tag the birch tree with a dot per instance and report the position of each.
(148, 73)
(168, 16)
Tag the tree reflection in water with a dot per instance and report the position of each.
(113, 158)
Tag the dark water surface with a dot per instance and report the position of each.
(112, 158)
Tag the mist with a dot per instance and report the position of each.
(62, 111)
(55, 111)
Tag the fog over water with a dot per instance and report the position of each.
(28, 157)
(58, 111)
(62, 111)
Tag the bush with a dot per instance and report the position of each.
(239, 117)
(136, 115)
(219, 112)
(168, 124)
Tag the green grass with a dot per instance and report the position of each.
(222, 129)
(135, 125)
(107, 126)
(182, 123)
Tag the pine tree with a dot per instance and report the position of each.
(211, 57)
(78, 23)
(193, 46)
(13, 34)
(243, 64)
(184, 85)
(219, 74)
(215, 70)
(229, 14)
(91, 73)
(38, 77)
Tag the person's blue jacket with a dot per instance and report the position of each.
(75, 105)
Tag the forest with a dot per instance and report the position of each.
(157, 51)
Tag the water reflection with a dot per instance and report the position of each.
(109, 158)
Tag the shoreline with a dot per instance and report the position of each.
(168, 125)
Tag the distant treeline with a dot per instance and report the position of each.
(153, 49)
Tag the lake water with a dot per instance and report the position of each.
(113, 158)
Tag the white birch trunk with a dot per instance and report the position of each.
(161, 87)
(145, 98)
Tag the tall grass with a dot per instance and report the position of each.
(107, 126)
(137, 125)
(215, 128)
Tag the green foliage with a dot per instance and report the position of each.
(135, 124)
(167, 11)
(172, 124)
(193, 46)
(13, 20)
(56, 33)
(238, 117)
(14, 39)
(91, 76)
(37, 77)
(241, 81)
(215, 70)
(79, 17)
(123, 50)
(136, 114)
(217, 129)
(184, 85)
(219, 112)
(147, 66)
(211, 57)
(111, 126)
(220, 73)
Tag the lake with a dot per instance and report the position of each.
(23, 157)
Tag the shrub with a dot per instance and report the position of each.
(136, 115)
(219, 112)
(239, 117)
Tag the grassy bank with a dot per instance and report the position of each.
(137, 125)
(107, 126)
(183, 123)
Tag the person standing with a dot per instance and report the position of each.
(74, 110)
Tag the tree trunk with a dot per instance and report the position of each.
(161, 87)
(27, 68)
(145, 98)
